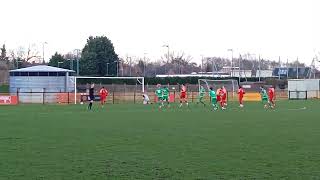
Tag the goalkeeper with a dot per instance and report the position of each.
(202, 92)
(213, 96)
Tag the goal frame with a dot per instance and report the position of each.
(222, 80)
(297, 95)
(99, 77)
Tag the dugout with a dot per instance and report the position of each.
(303, 88)
(32, 82)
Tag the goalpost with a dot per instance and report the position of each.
(303, 88)
(140, 80)
(230, 84)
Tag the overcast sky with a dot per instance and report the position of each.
(272, 28)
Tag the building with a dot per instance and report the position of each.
(203, 75)
(292, 72)
(264, 73)
(32, 82)
(220, 74)
(241, 73)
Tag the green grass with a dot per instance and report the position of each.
(138, 142)
(4, 88)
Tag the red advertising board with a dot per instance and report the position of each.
(8, 100)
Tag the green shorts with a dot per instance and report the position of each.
(213, 101)
(264, 100)
(165, 98)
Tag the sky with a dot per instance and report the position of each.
(269, 28)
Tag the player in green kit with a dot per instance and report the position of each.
(213, 96)
(264, 97)
(202, 92)
(165, 93)
(159, 94)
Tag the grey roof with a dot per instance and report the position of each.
(41, 68)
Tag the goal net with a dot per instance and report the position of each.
(298, 95)
(120, 89)
(230, 85)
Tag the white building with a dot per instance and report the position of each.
(264, 73)
(33, 82)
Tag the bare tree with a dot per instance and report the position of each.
(21, 57)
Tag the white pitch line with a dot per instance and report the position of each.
(298, 109)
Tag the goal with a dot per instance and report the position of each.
(303, 88)
(298, 95)
(116, 84)
(230, 84)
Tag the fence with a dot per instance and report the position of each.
(296, 95)
(116, 96)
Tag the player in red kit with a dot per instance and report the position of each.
(224, 96)
(183, 95)
(103, 96)
(271, 94)
(241, 93)
(220, 95)
(218, 92)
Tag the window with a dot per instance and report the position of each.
(53, 74)
(11, 73)
(16, 73)
(43, 73)
(33, 74)
(61, 73)
(24, 74)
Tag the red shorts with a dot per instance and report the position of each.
(218, 98)
(224, 98)
(271, 98)
(103, 98)
(183, 96)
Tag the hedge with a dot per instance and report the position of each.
(175, 80)
(4, 88)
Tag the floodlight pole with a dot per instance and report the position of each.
(77, 56)
(168, 58)
(71, 61)
(297, 68)
(144, 65)
(240, 68)
(129, 59)
(108, 69)
(117, 67)
(259, 68)
(287, 69)
(279, 75)
(231, 61)
(202, 64)
(213, 66)
(43, 44)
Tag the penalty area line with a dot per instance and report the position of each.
(298, 109)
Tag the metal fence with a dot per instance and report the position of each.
(117, 96)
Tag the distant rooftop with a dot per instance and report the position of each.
(42, 68)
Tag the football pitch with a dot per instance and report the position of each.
(138, 142)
